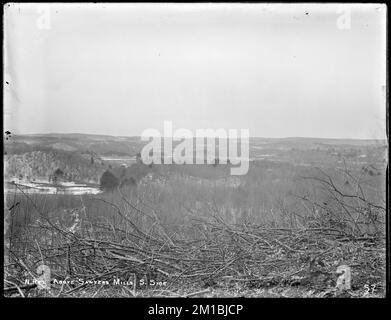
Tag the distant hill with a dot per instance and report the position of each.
(38, 155)
(313, 142)
(130, 146)
(98, 144)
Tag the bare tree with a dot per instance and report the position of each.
(350, 201)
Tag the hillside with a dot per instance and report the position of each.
(98, 144)
(38, 156)
(38, 165)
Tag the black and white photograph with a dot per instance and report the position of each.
(195, 150)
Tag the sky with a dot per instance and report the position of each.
(279, 70)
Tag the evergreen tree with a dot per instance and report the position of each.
(108, 181)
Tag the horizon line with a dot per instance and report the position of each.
(162, 136)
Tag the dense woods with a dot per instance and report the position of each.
(41, 165)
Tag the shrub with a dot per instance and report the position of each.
(108, 181)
